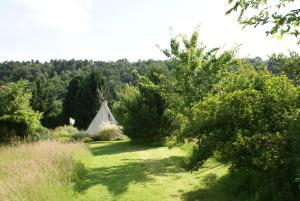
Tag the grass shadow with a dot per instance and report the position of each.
(231, 187)
(118, 178)
(115, 148)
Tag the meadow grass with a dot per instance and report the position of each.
(43, 171)
(116, 171)
(122, 171)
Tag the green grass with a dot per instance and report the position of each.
(43, 171)
(125, 172)
(119, 171)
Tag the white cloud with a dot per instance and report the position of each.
(70, 16)
(113, 29)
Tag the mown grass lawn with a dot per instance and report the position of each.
(126, 172)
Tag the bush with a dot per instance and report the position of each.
(64, 133)
(247, 122)
(110, 132)
(40, 134)
(87, 139)
(82, 92)
(79, 136)
(16, 116)
(8, 136)
(70, 134)
(141, 112)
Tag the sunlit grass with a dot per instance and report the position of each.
(116, 171)
(43, 171)
(125, 172)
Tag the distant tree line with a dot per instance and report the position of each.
(49, 84)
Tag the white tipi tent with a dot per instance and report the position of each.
(104, 115)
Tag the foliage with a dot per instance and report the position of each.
(70, 134)
(288, 64)
(128, 108)
(80, 136)
(240, 112)
(118, 71)
(246, 121)
(294, 139)
(16, 115)
(88, 99)
(47, 95)
(195, 69)
(52, 117)
(40, 134)
(8, 136)
(141, 110)
(70, 102)
(110, 132)
(49, 80)
(279, 63)
(64, 133)
(237, 186)
(282, 15)
(83, 99)
(193, 73)
(44, 171)
(87, 139)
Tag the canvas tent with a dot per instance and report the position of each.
(103, 116)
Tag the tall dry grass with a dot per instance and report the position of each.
(43, 171)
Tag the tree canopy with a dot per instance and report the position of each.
(16, 115)
(283, 16)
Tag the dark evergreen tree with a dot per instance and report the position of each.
(141, 110)
(83, 99)
(69, 104)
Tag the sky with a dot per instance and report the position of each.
(109, 30)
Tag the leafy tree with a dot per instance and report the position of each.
(245, 120)
(46, 98)
(52, 117)
(141, 110)
(88, 98)
(286, 64)
(256, 62)
(49, 80)
(283, 20)
(16, 115)
(129, 111)
(83, 99)
(70, 101)
(194, 71)
(194, 68)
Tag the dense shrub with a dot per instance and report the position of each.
(82, 100)
(40, 133)
(87, 139)
(7, 136)
(140, 120)
(246, 120)
(141, 110)
(194, 72)
(46, 98)
(70, 134)
(64, 133)
(294, 142)
(110, 132)
(79, 136)
(16, 116)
